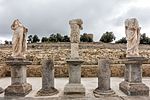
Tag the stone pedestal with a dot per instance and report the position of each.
(47, 79)
(104, 75)
(19, 85)
(132, 84)
(74, 86)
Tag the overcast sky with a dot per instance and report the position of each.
(43, 17)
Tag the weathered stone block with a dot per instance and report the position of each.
(74, 89)
(18, 89)
(132, 84)
(74, 86)
(134, 89)
(19, 86)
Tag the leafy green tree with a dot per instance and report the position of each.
(30, 39)
(59, 37)
(6, 42)
(10, 42)
(66, 38)
(44, 39)
(35, 39)
(85, 38)
(144, 39)
(107, 37)
(52, 38)
(122, 40)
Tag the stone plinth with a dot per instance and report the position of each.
(47, 79)
(132, 84)
(74, 86)
(104, 74)
(19, 85)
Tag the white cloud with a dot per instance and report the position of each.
(44, 17)
(140, 3)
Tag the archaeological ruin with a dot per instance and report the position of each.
(76, 61)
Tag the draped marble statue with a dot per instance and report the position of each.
(76, 26)
(19, 44)
(132, 31)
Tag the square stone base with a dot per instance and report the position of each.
(71, 89)
(18, 89)
(134, 89)
(47, 92)
(109, 92)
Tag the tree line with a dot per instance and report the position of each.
(143, 39)
(106, 37)
(110, 37)
(57, 38)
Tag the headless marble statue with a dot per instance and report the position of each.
(132, 31)
(19, 44)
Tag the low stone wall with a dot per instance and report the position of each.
(89, 52)
(117, 70)
(2, 71)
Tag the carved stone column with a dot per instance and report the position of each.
(104, 74)
(74, 62)
(48, 88)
